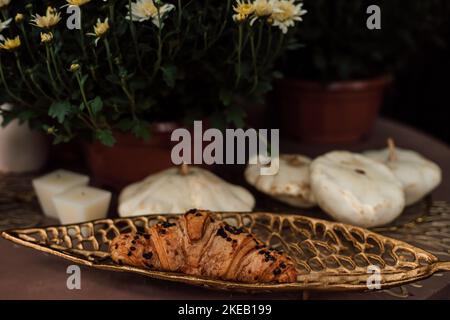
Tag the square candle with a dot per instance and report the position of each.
(82, 204)
(54, 183)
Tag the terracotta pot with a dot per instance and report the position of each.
(130, 159)
(339, 112)
(256, 112)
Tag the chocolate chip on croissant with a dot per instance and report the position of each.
(196, 244)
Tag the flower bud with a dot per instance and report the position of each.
(46, 37)
(74, 67)
(19, 18)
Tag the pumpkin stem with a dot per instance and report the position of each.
(392, 151)
(184, 169)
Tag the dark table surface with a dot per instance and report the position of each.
(29, 274)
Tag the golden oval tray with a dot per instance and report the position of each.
(329, 256)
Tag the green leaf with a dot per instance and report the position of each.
(138, 84)
(123, 73)
(6, 118)
(106, 137)
(113, 78)
(147, 103)
(125, 124)
(138, 127)
(96, 105)
(295, 46)
(144, 47)
(277, 75)
(169, 75)
(141, 130)
(121, 28)
(60, 110)
(26, 115)
(61, 139)
(236, 116)
(225, 96)
(263, 87)
(83, 79)
(217, 120)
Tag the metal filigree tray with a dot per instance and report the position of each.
(329, 256)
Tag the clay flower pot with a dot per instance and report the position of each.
(130, 159)
(340, 112)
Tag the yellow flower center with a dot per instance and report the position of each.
(247, 9)
(101, 28)
(46, 37)
(240, 17)
(51, 18)
(51, 130)
(244, 9)
(148, 8)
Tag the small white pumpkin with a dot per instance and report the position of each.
(177, 190)
(290, 185)
(418, 175)
(355, 189)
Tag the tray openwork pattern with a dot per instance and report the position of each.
(328, 256)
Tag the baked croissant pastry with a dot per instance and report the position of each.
(197, 244)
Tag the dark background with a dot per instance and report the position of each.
(420, 95)
(413, 44)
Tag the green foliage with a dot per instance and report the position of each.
(106, 137)
(96, 105)
(136, 73)
(59, 110)
(169, 75)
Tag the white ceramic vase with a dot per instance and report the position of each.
(21, 149)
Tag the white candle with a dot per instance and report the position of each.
(82, 204)
(54, 183)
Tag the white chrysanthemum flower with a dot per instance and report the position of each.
(242, 10)
(143, 10)
(262, 8)
(100, 29)
(4, 24)
(51, 19)
(46, 37)
(11, 44)
(286, 13)
(4, 3)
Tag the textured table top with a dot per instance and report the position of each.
(29, 274)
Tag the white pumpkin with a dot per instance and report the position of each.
(356, 190)
(290, 185)
(418, 175)
(176, 191)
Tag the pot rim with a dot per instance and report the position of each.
(158, 131)
(344, 85)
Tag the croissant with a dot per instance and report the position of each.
(197, 244)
